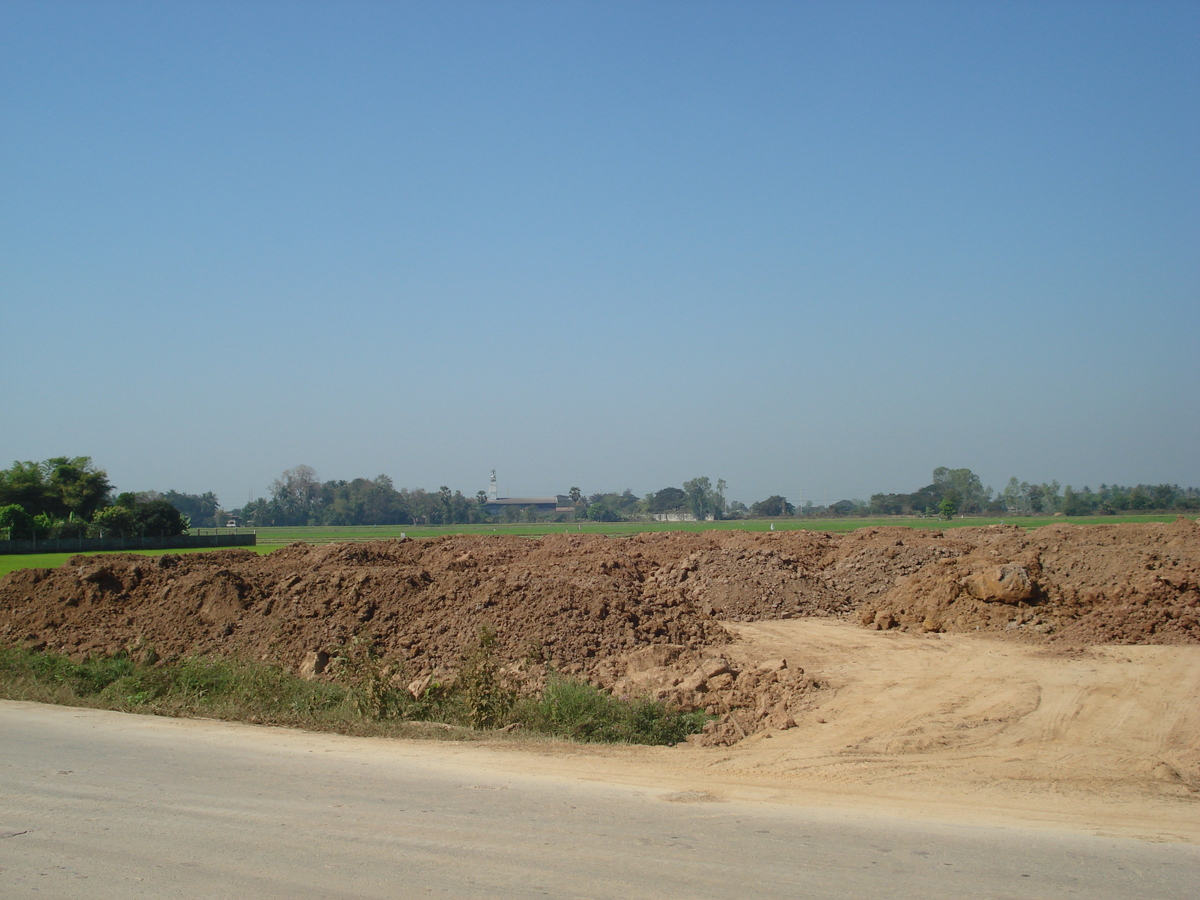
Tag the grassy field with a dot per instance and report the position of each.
(273, 538)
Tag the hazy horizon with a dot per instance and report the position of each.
(814, 249)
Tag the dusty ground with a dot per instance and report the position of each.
(967, 728)
(1052, 674)
(976, 728)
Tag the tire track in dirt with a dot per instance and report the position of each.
(968, 721)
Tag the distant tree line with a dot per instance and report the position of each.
(71, 497)
(698, 499)
(959, 491)
(298, 497)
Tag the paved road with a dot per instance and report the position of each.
(100, 805)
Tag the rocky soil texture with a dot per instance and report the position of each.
(637, 615)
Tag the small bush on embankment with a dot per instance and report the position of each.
(573, 709)
(365, 702)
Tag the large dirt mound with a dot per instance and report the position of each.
(1079, 584)
(640, 613)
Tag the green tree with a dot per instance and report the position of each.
(25, 485)
(1164, 495)
(1051, 501)
(627, 503)
(669, 499)
(888, 504)
(947, 509)
(258, 513)
(158, 517)
(78, 485)
(700, 497)
(774, 505)
(115, 521)
(599, 512)
(363, 501)
(59, 487)
(200, 509)
(963, 487)
(1013, 497)
(297, 496)
(1077, 503)
(15, 522)
(461, 510)
(151, 516)
(843, 507)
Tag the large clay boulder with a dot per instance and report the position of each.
(1008, 583)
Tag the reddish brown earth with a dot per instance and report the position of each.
(650, 614)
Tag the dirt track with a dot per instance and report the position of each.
(978, 728)
(892, 662)
(957, 728)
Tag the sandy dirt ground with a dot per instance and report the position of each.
(947, 727)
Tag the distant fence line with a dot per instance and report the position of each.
(146, 542)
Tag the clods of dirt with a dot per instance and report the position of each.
(637, 615)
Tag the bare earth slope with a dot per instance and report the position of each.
(1001, 661)
(963, 728)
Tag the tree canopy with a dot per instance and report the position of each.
(669, 499)
(202, 510)
(774, 505)
(60, 488)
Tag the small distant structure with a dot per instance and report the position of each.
(541, 504)
(234, 522)
(496, 505)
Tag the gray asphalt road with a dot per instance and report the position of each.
(100, 805)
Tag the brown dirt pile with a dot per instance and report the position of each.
(1076, 584)
(637, 615)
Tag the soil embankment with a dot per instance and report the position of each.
(652, 613)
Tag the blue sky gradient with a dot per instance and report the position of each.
(816, 249)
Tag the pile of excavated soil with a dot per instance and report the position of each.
(638, 614)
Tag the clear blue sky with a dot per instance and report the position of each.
(815, 249)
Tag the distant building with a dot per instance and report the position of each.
(497, 506)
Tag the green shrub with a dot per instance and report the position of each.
(486, 697)
(371, 680)
(363, 696)
(196, 685)
(573, 709)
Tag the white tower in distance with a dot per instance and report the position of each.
(492, 489)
